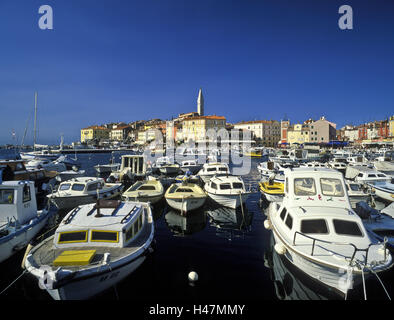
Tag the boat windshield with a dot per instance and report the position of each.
(6, 196)
(64, 187)
(147, 188)
(304, 187)
(237, 185)
(332, 187)
(78, 187)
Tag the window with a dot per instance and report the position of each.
(304, 187)
(332, 187)
(287, 185)
(354, 187)
(314, 226)
(225, 186)
(372, 176)
(283, 213)
(78, 187)
(147, 188)
(223, 169)
(211, 169)
(104, 236)
(26, 193)
(214, 185)
(347, 228)
(289, 221)
(381, 175)
(129, 233)
(184, 190)
(73, 236)
(92, 187)
(64, 187)
(237, 185)
(6, 196)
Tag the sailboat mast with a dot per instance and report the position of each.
(35, 120)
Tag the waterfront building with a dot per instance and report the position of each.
(322, 131)
(284, 126)
(195, 128)
(391, 126)
(119, 133)
(268, 132)
(94, 132)
(298, 134)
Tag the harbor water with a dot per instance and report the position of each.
(230, 250)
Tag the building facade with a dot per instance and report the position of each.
(94, 132)
(119, 133)
(268, 132)
(195, 128)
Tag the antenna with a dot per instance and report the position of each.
(35, 121)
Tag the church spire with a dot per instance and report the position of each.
(200, 103)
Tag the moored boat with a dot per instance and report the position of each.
(185, 196)
(145, 191)
(95, 247)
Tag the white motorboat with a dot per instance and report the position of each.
(210, 170)
(19, 218)
(105, 168)
(383, 190)
(365, 175)
(313, 164)
(185, 197)
(228, 191)
(357, 192)
(272, 170)
(169, 169)
(83, 190)
(145, 191)
(69, 174)
(190, 165)
(94, 248)
(45, 164)
(338, 164)
(317, 231)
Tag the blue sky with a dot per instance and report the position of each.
(127, 60)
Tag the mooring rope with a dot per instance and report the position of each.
(9, 286)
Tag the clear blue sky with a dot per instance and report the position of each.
(127, 60)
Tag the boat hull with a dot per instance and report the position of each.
(143, 198)
(230, 201)
(187, 204)
(16, 241)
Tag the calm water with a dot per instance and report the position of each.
(230, 250)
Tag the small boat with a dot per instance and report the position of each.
(168, 169)
(69, 174)
(185, 197)
(19, 218)
(145, 191)
(210, 170)
(49, 165)
(94, 247)
(383, 190)
(357, 193)
(83, 190)
(272, 191)
(365, 174)
(228, 191)
(105, 168)
(317, 231)
(190, 165)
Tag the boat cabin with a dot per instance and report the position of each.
(215, 168)
(109, 223)
(227, 183)
(136, 163)
(82, 185)
(17, 201)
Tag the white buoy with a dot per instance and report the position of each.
(267, 224)
(193, 277)
(280, 248)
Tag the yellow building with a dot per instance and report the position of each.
(298, 134)
(195, 128)
(94, 132)
(391, 126)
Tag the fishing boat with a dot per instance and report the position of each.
(185, 197)
(365, 174)
(210, 170)
(316, 229)
(272, 191)
(19, 218)
(228, 191)
(190, 165)
(145, 191)
(94, 247)
(357, 192)
(83, 190)
(383, 190)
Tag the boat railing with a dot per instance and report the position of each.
(356, 249)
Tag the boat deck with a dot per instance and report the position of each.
(47, 253)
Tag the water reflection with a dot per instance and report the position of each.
(289, 282)
(181, 225)
(230, 223)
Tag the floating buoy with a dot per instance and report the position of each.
(280, 248)
(193, 277)
(267, 224)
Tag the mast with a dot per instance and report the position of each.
(35, 121)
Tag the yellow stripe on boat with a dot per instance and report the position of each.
(74, 258)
